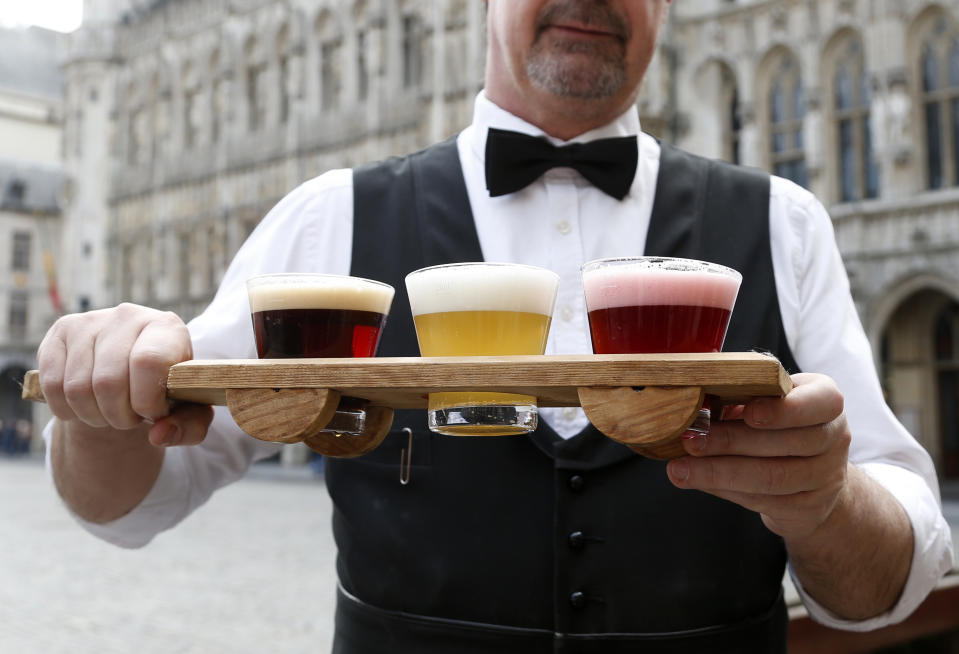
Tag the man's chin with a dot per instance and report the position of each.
(577, 79)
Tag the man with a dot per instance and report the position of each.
(564, 541)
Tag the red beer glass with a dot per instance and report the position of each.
(642, 305)
(305, 315)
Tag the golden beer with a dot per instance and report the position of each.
(490, 333)
(482, 309)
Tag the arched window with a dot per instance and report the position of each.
(858, 172)
(787, 107)
(939, 73)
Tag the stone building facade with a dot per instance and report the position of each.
(186, 120)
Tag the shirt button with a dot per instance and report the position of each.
(566, 313)
(576, 483)
(569, 413)
(577, 599)
(564, 227)
(577, 539)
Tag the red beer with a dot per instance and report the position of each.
(655, 304)
(647, 305)
(658, 328)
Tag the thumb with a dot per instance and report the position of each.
(186, 424)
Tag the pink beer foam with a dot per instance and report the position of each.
(638, 285)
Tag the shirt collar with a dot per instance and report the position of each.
(486, 114)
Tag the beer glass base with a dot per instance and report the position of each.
(347, 423)
(484, 420)
(700, 426)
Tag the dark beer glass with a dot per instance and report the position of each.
(305, 315)
(643, 305)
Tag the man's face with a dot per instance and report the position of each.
(579, 52)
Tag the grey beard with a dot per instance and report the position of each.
(587, 82)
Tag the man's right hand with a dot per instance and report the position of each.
(107, 370)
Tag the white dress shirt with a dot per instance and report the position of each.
(559, 222)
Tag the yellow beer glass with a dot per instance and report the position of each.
(482, 309)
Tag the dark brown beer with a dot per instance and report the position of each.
(309, 333)
(320, 316)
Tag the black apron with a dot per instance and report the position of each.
(540, 544)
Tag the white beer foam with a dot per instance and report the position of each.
(271, 293)
(627, 285)
(496, 287)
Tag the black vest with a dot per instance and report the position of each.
(540, 544)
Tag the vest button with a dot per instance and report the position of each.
(577, 599)
(577, 539)
(576, 483)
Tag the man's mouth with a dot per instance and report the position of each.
(585, 31)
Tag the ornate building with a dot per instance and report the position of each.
(186, 120)
(30, 181)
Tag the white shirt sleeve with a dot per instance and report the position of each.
(310, 230)
(826, 336)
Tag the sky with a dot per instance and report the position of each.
(59, 15)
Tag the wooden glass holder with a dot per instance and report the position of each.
(645, 401)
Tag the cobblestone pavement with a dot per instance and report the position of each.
(252, 571)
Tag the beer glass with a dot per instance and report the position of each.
(658, 304)
(305, 315)
(477, 309)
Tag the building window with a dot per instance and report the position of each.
(185, 258)
(217, 100)
(787, 107)
(412, 52)
(191, 117)
(15, 194)
(939, 72)
(17, 317)
(362, 71)
(257, 93)
(21, 252)
(858, 172)
(137, 135)
(733, 127)
(284, 66)
(330, 74)
(283, 74)
(257, 96)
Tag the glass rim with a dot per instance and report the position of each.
(307, 275)
(700, 264)
(480, 264)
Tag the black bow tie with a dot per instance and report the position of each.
(515, 160)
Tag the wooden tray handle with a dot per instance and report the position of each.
(648, 420)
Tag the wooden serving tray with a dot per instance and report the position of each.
(642, 400)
